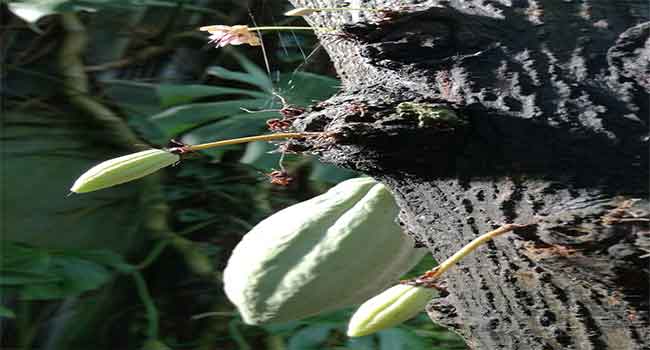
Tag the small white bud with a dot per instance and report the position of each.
(301, 11)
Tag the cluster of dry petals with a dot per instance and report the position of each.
(221, 35)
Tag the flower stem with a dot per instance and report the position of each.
(436, 272)
(269, 137)
(282, 28)
(331, 9)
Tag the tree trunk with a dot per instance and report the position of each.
(478, 113)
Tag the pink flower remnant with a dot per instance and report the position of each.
(236, 35)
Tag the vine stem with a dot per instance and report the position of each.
(150, 308)
(332, 9)
(282, 28)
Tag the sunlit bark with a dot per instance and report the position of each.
(552, 106)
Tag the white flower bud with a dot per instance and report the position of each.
(301, 11)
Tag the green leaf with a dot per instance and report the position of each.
(155, 345)
(257, 73)
(194, 215)
(172, 95)
(252, 79)
(311, 337)
(303, 88)
(401, 339)
(257, 154)
(12, 277)
(47, 151)
(7, 313)
(74, 276)
(361, 343)
(177, 120)
(80, 275)
(104, 257)
(236, 126)
(21, 257)
(329, 173)
(135, 98)
(40, 273)
(47, 291)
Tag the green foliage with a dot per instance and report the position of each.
(172, 95)
(400, 338)
(30, 273)
(5, 312)
(33, 10)
(327, 332)
(45, 150)
(178, 111)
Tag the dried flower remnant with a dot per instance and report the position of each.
(221, 35)
(280, 177)
(289, 111)
(279, 124)
(289, 114)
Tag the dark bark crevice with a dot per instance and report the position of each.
(480, 113)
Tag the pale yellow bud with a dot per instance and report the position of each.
(390, 308)
(123, 169)
(301, 11)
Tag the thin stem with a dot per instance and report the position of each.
(213, 313)
(282, 28)
(150, 307)
(278, 136)
(467, 249)
(237, 336)
(330, 9)
(154, 254)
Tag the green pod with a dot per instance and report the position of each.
(332, 251)
(390, 308)
(123, 169)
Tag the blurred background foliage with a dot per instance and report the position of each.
(138, 266)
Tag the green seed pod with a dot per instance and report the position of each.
(332, 251)
(390, 308)
(123, 169)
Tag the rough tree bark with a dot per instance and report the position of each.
(549, 125)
